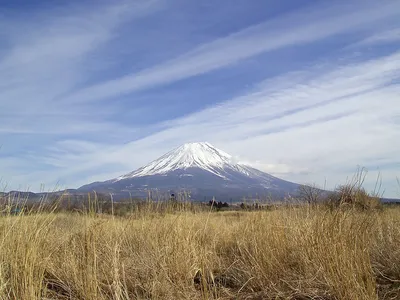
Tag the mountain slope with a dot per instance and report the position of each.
(200, 168)
(200, 155)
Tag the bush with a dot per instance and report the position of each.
(354, 197)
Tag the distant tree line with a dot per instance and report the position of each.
(217, 205)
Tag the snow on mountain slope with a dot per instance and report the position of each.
(199, 168)
(199, 155)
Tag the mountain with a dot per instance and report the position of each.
(200, 168)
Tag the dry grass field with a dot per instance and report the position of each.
(303, 252)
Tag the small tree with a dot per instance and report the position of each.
(310, 193)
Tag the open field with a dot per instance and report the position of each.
(308, 252)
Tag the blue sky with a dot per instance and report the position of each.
(305, 90)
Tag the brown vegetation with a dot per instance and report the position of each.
(343, 250)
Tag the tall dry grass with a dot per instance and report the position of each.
(309, 252)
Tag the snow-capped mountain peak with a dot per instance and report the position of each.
(199, 168)
(200, 155)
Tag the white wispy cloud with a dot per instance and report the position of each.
(384, 37)
(47, 59)
(306, 27)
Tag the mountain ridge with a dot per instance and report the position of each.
(200, 168)
(201, 154)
